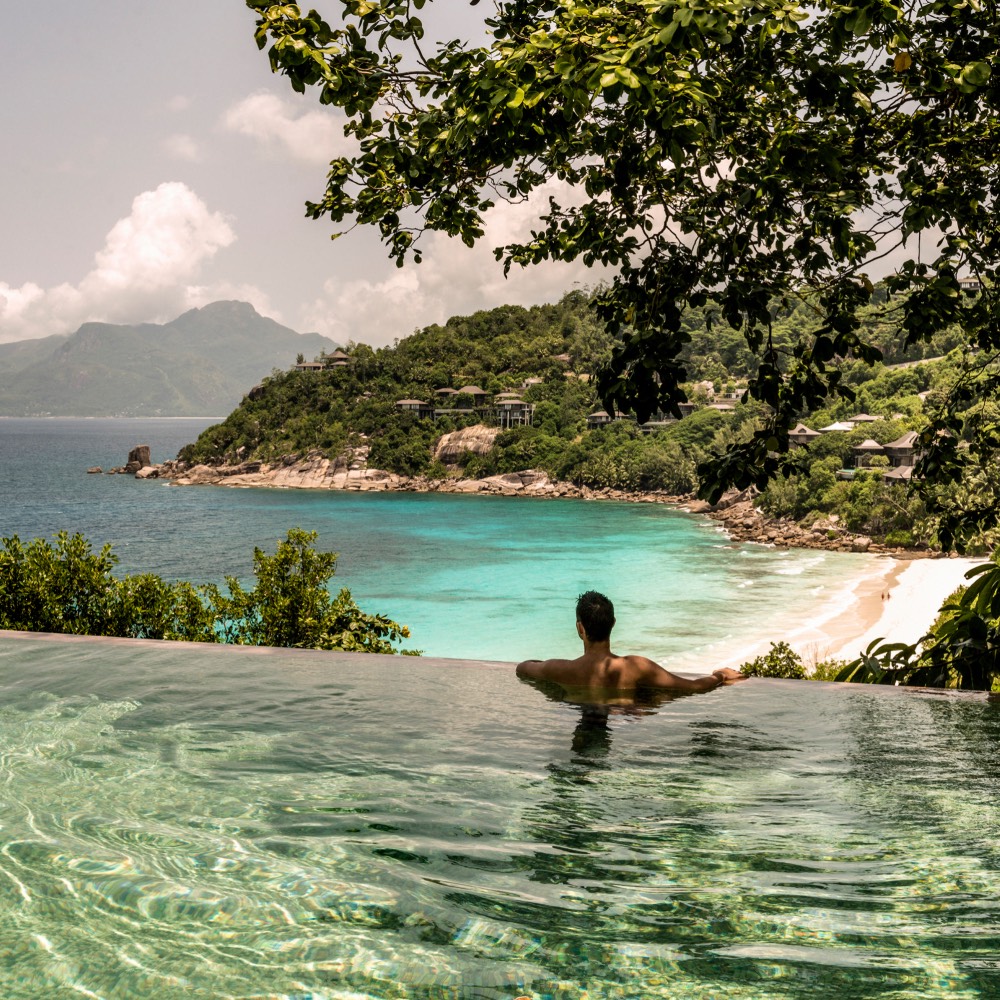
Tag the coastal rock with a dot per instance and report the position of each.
(148, 472)
(94, 470)
(477, 439)
(698, 506)
(139, 456)
(738, 517)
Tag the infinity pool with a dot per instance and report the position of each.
(181, 821)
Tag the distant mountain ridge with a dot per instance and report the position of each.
(200, 364)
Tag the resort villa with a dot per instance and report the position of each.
(902, 454)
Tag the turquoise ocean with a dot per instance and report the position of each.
(473, 577)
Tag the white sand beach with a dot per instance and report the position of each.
(916, 591)
(895, 600)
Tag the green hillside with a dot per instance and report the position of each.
(199, 364)
(545, 356)
(23, 354)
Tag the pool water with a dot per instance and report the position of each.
(184, 821)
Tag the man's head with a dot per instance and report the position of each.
(596, 615)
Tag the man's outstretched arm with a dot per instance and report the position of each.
(529, 669)
(663, 680)
(541, 670)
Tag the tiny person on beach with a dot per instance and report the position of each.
(601, 670)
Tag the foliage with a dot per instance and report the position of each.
(292, 606)
(827, 670)
(779, 661)
(751, 158)
(332, 411)
(66, 587)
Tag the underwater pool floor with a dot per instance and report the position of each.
(183, 821)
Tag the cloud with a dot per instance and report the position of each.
(452, 280)
(313, 136)
(144, 271)
(182, 147)
(178, 103)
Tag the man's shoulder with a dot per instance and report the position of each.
(637, 662)
(644, 672)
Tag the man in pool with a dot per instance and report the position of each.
(601, 670)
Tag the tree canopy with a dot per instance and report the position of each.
(746, 154)
(741, 156)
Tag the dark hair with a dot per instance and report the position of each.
(596, 614)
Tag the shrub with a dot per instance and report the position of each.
(827, 670)
(66, 587)
(900, 537)
(779, 661)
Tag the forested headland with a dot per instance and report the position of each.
(546, 356)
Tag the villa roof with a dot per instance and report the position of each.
(868, 445)
(446, 392)
(801, 430)
(599, 413)
(908, 440)
(840, 426)
(508, 402)
(338, 356)
(900, 472)
(472, 390)
(411, 402)
(862, 418)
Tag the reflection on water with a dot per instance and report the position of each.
(182, 822)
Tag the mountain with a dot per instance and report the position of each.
(24, 353)
(200, 364)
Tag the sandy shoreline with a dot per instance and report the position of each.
(895, 601)
(847, 621)
(916, 591)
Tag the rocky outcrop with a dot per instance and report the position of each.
(316, 471)
(138, 460)
(139, 457)
(477, 439)
(745, 523)
(736, 512)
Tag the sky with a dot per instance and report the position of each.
(152, 163)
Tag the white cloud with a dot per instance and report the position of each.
(452, 280)
(314, 136)
(178, 103)
(144, 271)
(182, 147)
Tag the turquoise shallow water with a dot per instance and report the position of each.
(481, 577)
(199, 822)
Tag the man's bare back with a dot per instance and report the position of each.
(601, 670)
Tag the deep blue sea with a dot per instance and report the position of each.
(473, 577)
